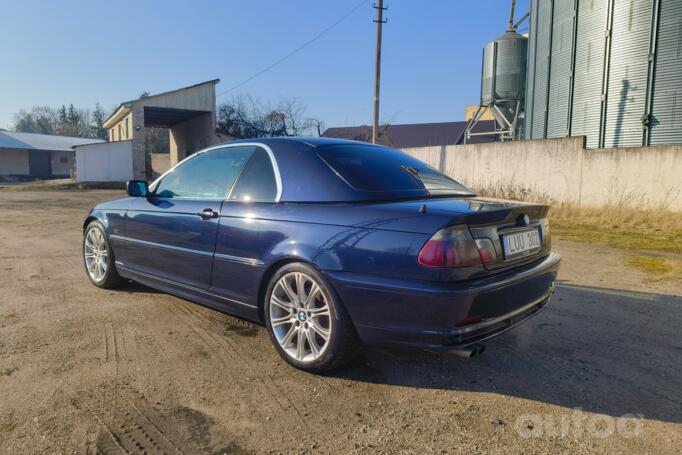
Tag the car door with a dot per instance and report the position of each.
(171, 234)
(244, 234)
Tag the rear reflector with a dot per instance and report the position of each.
(486, 250)
(451, 247)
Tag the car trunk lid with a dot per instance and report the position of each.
(508, 233)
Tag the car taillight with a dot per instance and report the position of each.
(451, 247)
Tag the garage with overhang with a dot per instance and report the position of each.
(189, 114)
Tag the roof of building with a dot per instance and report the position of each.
(417, 134)
(34, 141)
(125, 106)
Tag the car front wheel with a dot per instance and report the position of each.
(98, 257)
(306, 321)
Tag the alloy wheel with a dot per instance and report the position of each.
(300, 316)
(96, 254)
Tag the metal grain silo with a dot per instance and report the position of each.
(538, 69)
(605, 69)
(664, 115)
(503, 83)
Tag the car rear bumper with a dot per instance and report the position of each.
(394, 312)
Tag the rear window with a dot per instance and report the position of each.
(372, 168)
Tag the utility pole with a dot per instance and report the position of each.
(379, 6)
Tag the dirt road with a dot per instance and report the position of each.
(84, 370)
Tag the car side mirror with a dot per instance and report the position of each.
(137, 188)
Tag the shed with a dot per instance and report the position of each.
(29, 156)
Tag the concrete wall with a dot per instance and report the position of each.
(13, 162)
(62, 162)
(160, 163)
(563, 170)
(191, 136)
(105, 162)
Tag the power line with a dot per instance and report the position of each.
(295, 51)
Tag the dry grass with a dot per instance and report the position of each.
(623, 223)
(620, 227)
(511, 190)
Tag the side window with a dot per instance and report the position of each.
(257, 180)
(209, 175)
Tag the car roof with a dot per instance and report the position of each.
(310, 141)
(306, 177)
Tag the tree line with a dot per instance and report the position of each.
(240, 117)
(63, 121)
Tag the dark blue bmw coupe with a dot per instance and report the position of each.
(329, 243)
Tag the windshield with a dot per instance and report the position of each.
(373, 168)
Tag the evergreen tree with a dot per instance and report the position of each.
(97, 126)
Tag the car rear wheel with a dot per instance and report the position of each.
(306, 321)
(98, 257)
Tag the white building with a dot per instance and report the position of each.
(38, 156)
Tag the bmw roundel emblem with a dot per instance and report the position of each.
(523, 220)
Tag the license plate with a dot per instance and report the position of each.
(521, 243)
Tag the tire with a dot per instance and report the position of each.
(290, 320)
(98, 257)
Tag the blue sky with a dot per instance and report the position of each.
(82, 52)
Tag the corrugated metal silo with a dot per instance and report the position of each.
(666, 109)
(538, 57)
(606, 69)
(627, 77)
(503, 78)
(558, 107)
(589, 69)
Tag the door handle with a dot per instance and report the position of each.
(207, 214)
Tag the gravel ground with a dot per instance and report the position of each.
(85, 370)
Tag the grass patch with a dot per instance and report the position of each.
(652, 265)
(631, 229)
(8, 426)
(656, 268)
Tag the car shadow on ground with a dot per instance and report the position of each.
(133, 287)
(605, 351)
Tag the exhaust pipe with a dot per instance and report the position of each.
(469, 351)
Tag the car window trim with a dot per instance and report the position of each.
(275, 168)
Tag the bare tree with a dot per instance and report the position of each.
(41, 119)
(244, 117)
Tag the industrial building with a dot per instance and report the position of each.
(607, 70)
(27, 156)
